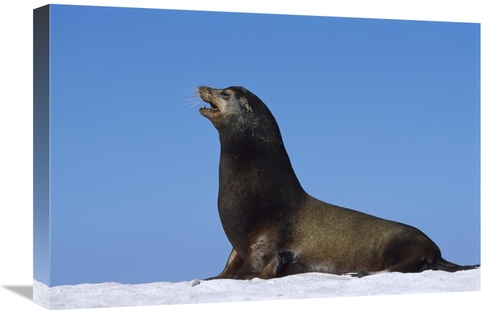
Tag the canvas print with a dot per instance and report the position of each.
(196, 157)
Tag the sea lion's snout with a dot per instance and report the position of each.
(206, 94)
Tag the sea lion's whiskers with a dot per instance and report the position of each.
(193, 100)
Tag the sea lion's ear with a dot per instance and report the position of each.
(246, 105)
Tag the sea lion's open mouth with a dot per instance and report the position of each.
(216, 106)
(212, 107)
(209, 111)
(206, 96)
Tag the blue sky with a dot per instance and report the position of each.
(379, 116)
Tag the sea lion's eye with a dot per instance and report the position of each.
(224, 95)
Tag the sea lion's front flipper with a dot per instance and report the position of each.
(262, 258)
(233, 265)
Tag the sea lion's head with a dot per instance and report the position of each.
(225, 104)
(235, 111)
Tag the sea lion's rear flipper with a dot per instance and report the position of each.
(442, 264)
(426, 262)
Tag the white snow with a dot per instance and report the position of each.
(311, 285)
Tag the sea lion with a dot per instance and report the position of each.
(275, 227)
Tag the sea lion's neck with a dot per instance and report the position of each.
(259, 160)
(256, 180)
